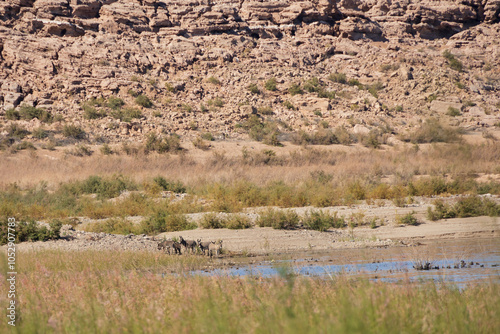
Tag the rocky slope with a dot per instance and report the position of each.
(195, 60)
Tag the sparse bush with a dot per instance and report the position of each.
(253, 88)
(217, 102)
(40, 133)
(338, 77)
(81, 151)
(30, 231)
(207, 136)
(169, 87)
(115, 103)
(90, 112)
(278, 219)
(432, 131)
(73, 131)
(266, 132)
(320, 137)
(106, 150)
(164, 184)
(164, 221)
(16, 131)
(213, 80)
(454, 63)
(408, 219)
(271, 84)
(127, 114)
(28, 112)
(287, 104)
(472, 206)
(265, 110)
(321, 221)
(114, 226)
(375, 88)
(132, 93)
(238, 221)
(325, 94)
(201, 144)
(160, 144)
(295, 89)
(212, 221)
(107, 187)
(355, 82)
(453, 112)
(312, 85)
(12, 114)
(143, 101)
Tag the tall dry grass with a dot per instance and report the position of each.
(118, 292)
(288, 165)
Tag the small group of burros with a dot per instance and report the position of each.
(209, 248)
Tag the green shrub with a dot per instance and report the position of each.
(472, 206)
(24, 145)
(28, 112)
(164, 221)
(375, 88)
(271, 84)
(321, 221)
(212, 221)
(238, 221)
(278, 219)
(73, 131)
(338, 77)
(90, 112)
(213, 80)
(312, 85)
(408, 219)
(217, 102)
(432, 131)
(173, 186)
(126, 114)
(106, 150)
(143, 101)
(114, 226)
(355, 82)
(453, 112)
(265, 110)
(454, 63)
(287, 104)
(295, 89)
(207, 136)
(320, 137)
(17, 131)
(253, 88)
(108, 187)
(12, 114)
(115, 103)
(160, 144)
(40, 133)
(30, 231)
(325, 94)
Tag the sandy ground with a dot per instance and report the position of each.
(267, 240)
(263, 241)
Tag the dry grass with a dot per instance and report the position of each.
(117, 292)
(288, 165)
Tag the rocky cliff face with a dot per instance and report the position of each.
(57, 54)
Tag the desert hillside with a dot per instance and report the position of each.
(306, 72)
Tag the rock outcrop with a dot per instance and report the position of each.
(60, 53)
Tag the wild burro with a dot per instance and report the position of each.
(203, 245)
(168, 245)
(215, 247)
(191, 244)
